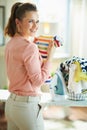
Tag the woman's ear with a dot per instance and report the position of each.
(17, 21)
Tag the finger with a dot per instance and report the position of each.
(51, 43)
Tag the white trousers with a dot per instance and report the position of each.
(23, 113)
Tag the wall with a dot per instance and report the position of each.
(3, 78)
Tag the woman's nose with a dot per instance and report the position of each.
(35, 24)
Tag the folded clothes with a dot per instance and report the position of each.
(74, 71)
(81, 61)
(43, 42)
(79, 74)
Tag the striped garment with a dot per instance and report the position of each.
(43, 42)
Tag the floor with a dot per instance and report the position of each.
(58, 125)
(60, 118)
(65, 125)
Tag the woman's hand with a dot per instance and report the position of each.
(50, 50)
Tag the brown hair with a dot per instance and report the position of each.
(18, 10)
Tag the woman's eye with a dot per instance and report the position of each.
(30, 21)
(37, 21)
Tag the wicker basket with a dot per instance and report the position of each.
(77, 97)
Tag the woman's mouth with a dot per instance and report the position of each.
(33, 31)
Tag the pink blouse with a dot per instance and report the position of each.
(26, 70)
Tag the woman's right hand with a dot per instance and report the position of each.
(50, 50)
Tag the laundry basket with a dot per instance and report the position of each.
(76, 96)
(76, 90)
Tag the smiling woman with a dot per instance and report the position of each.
(26, 70)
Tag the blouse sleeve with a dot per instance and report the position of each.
(37, 70)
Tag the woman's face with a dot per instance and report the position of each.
(29, 24)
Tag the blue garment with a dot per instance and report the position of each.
(82, 61)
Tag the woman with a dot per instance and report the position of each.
(25, 69)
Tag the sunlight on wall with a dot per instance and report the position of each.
(46, 28)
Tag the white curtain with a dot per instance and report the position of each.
(78, 27)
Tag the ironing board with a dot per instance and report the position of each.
(46, 99)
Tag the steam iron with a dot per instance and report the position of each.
(57, 86)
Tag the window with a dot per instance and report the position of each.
(2, 20)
